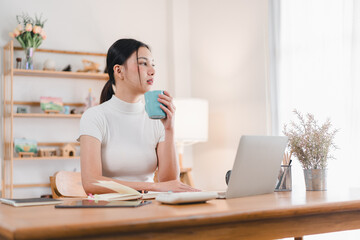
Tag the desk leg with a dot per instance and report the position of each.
(298, 238)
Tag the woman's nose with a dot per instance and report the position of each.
(151, 71)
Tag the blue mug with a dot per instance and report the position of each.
(152, 105)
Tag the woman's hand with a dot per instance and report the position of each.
(174, 186)
(169, 109)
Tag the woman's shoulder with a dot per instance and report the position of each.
(94, 109)
(93, 112)
(93, 123)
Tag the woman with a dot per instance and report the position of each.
(118, 141)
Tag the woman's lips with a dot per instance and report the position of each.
(150, 81)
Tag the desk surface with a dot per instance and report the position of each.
(276, 215)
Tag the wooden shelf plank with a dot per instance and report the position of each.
(60, 74)
(31, 185)
(44, 115)
(47, 158)
(38, 104)
(64, 52)
(55, 144)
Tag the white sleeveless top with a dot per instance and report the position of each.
(128, 139)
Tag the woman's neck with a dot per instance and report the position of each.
(128, 96)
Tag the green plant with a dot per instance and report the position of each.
(309, 142)
(29, 32)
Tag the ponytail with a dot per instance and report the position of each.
(107, 92)
(118, 53)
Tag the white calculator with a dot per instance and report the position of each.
(186, 197)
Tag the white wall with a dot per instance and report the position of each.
(228, 42)
(209, 49)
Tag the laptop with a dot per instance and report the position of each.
(256, 167)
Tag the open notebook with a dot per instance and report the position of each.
(122, 192)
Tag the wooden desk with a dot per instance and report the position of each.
(276, 215)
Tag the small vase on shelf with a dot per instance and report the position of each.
(30, 34)
(29, 55)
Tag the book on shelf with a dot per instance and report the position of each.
(122, 192)
(23, 202)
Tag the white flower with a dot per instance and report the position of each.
(16, 32)
(43, 34)
(28, 27)
(20, 27)
(37, 29)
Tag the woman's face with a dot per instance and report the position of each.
(142, 67)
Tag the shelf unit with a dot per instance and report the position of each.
(9, 72)
(58, 74)
(45, 115)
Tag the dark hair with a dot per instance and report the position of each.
(118, 53)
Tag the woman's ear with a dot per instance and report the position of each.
(119, 71)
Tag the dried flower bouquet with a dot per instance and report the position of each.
(309, 142)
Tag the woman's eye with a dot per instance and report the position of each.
(143, 63)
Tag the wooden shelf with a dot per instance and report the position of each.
(31, 185)
(56, 144)
(38, 104)
(44, 115)
(60, 74)
(64, 52)
(47, 158)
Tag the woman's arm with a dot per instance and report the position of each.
(168, 167)
(91, 172)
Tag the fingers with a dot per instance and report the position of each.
(167, 100)
(168, 103)
(189, 189)
(186, 188)
(169, 112)
(166, 96)
(167, 93)
(176, 186)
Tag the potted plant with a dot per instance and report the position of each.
(311, 144)
(30, 34)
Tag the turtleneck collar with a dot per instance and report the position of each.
(123, 106)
